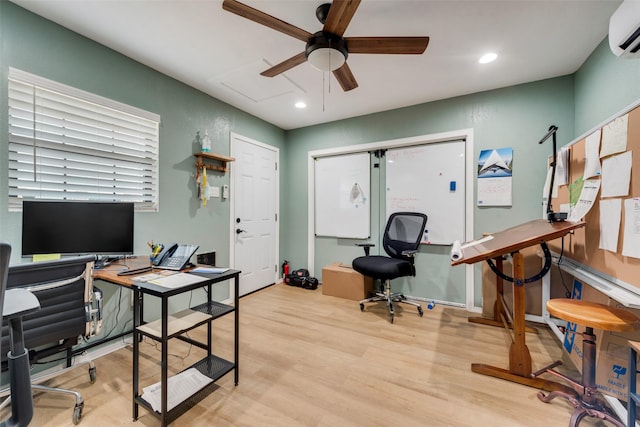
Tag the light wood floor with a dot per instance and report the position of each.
(311, 360)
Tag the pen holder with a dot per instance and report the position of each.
(155, 250)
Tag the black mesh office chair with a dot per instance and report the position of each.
(401, 241)
(19, 302)
(70, 309)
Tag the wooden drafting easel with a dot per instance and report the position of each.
(494, 246)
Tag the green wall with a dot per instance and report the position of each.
(514, 117)
(605, 85)
(38, 46)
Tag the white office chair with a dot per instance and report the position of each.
(19, 303)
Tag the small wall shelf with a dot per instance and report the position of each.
(203, 160)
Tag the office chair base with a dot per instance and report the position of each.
(77, 409)
(36, 386)
(595, 409)
(390, 299)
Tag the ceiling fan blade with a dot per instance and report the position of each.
(345, 78)
(285, 65)
(340, 14)
(390, 45)
(260, 17)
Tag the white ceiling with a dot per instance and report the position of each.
(222, 54)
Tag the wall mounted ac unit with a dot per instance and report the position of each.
(624, 30)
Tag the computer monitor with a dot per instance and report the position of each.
(77, 228)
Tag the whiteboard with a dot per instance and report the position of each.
(430, 179)
(342, 196)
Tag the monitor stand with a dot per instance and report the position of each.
(103, 261)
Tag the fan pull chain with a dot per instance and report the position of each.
(323, 84)
(330, 67)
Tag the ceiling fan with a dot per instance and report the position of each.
(327, 49)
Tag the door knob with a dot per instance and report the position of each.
(238, 231)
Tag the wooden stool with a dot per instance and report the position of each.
(592, 316)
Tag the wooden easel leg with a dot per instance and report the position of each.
(505, 374)
(519, 356)
(499, 309)
(501, 318)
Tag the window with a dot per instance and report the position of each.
(67, 144)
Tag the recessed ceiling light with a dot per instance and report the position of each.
(301, 104)
(488, 57)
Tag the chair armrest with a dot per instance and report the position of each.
(366, 247)
(18, 303)
(409, 253)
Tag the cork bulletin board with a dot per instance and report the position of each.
(583, 245)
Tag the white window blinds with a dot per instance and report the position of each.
(67, 144)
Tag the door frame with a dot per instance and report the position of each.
(232, 193)
(460, 134)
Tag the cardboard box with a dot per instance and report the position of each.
(612, 366)
(340, 280)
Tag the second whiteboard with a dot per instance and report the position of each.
(430, 179)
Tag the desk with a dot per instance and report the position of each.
(511, 241)
(110, 272)
(161, 330)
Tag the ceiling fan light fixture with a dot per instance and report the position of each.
(326, 59)
(326, 52)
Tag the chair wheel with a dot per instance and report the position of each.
(77, 414)
(361, 307)
(391, 318)
(420, 312)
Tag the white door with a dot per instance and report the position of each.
(254, 183)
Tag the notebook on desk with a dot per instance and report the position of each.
(177, 280)
(209, 270)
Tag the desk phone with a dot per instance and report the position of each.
(174, 256)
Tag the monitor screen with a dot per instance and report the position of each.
(70, 227)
